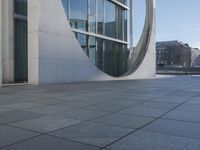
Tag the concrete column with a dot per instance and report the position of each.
(33, 41)
(0, 42)
(7, 41)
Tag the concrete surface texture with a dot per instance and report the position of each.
(0, 42)
(7, 41)
(152, 114)
(55, 56)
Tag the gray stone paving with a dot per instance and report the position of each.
(154, 114)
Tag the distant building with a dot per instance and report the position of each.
(175, 54)
(196, 62)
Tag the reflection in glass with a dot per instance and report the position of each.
(110, 22)
(82, 41)
(121, 24)
(99, 54)
(78, 14)
(122, 61)
(108, 56)
(92, 49)
(97, 16)
(92, 16)
(100, 17)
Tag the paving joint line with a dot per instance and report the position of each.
(149, 123)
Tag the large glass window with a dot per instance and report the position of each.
(122, 59)
(97, 16)
(121, 24)
(110, 20)
(99, 53)
(78, 14)
(92, 16)
(92, 49)
(110, 58)
(101, 19)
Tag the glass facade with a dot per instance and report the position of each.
(121, 24)
(123, 1)
(92, 16)
(78, 14)
(21, 41)
(109, 56)
(105, 25)
(100, 17)
(110, 19)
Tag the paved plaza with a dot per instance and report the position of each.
(154, 114)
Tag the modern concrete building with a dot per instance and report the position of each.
(174, 54)
(59, 41)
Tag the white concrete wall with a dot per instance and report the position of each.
(147, 68)
(55, 55)
(8, 41)
(0, 42)
(33, 41)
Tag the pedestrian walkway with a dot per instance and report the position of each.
(153, 114)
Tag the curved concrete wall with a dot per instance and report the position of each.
(144, 63)
(55, 55)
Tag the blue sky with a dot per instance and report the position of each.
(176, 20)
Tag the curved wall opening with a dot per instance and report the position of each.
(100, 26)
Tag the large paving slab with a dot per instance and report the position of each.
(159, 105)
(145, 111)
(93, 133)
(173, 127)
(143, 140)
(10, 135)
(50, 143)
(151, 114)
(194, 101)
(50, 109)
(172, 99)
(82, 114)
(17, 115)
(190, 107)
(181, 115)
(24, 105)
(46, 124)
(129, 121)
(108, 107)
